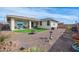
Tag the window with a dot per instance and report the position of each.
(20, 25)
(40, 23)
(48, 23)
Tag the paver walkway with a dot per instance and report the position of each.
(37, 40)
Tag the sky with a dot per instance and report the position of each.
(67, 15)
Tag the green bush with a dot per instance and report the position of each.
(2, 38)
(33, 49)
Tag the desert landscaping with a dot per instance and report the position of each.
(38, 42)
(56, 39)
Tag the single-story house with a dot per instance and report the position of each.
(1, 25)
(48, 23)
(4, 27)
(21, 22)
(61, 25)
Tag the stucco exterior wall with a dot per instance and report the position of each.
(44, 25)
(52, 24)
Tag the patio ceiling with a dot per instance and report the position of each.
(22, 18)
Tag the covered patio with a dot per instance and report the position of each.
(19, 22)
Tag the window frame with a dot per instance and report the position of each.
(40, 23)
(48, 23)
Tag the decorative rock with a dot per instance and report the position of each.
(10, 46)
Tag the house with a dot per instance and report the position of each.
(1, 25)
(48, 23)
(61, 25)
(21, 22)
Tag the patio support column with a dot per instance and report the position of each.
(5, 20)
(12, 27)
(30, 25)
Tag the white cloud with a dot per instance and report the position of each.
(38, 13)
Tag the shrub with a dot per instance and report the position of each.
(33, 31)
(2, 38)
(33, 49)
